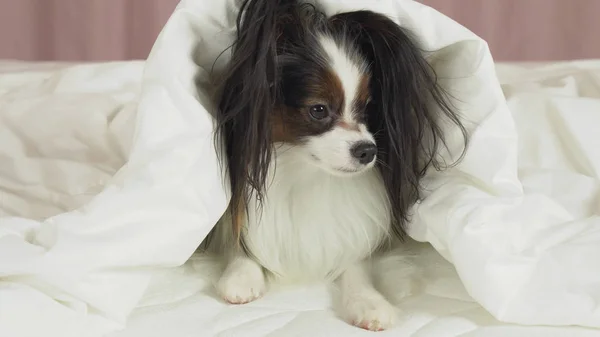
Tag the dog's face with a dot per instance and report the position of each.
(323, 110)
(287, 81)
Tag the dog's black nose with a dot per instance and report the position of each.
(364, 151)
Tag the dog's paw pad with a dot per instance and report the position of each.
(242, 286)
(371, 313)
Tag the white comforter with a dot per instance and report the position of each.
(82, 236)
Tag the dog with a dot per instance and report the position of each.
(328, 124)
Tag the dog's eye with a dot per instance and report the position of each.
(318, 112)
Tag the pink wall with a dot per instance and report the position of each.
(530, 29)
(75, 30)
(99, 30)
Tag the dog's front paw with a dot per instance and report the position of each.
(242, 282)
(370, 311)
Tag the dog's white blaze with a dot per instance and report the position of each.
(348, 71)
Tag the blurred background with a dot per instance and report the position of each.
(104, 30)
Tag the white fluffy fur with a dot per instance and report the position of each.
(317, 222)
(315, 225)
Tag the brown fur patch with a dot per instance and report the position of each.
(291, 124)
(363, 94)
(329, 88)
(280, 130)
(305, 84)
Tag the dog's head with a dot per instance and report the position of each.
(352, 91)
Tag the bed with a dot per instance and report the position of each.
(74, 147)
(95, 99)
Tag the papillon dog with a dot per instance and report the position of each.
(328, 123)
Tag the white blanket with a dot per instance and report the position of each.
(82, 237)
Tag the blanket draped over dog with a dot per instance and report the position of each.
(522, 232)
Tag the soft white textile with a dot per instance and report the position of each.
(64, 136)
(177, 304)
(81, 237)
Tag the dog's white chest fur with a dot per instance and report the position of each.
(313, 225)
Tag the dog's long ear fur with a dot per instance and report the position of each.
(407, 106)
(246, 94)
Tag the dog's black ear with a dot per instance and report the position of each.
(246, 94)
(407, 108)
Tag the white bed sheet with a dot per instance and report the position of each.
(95, 101)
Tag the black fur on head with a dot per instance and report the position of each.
(403, 114)
(247, 94)
(408, 105)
